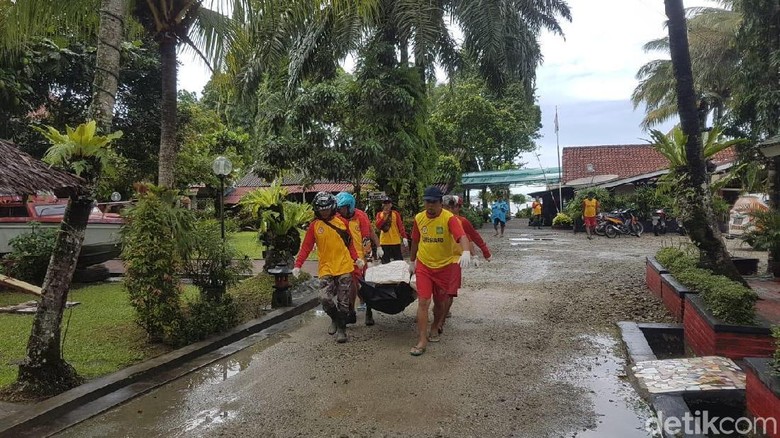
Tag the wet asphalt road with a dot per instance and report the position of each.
(531, 350)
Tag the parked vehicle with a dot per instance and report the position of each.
(622, 222)
(659, 222)
(101, 237)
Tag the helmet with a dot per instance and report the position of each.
(344, 199)
(449, 200)
(324, 201)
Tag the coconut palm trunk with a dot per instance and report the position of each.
(110, 37)
(44, 371)
(168, 106)
(700, 219)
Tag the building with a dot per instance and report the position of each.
(296, 185)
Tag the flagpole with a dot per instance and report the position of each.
(558, 148)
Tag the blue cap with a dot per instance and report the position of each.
(433, 194)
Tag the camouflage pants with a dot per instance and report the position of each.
(335, 288)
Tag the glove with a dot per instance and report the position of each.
(465, 259)
(412, 265)
(296, 272)
(406, 242)
(379, 252)
(360, 263)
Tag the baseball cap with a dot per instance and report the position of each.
(432, 194)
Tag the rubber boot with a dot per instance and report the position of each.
(351, 317)
(333, 322)
(341, 328)
(369, 316)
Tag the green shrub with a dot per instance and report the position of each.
(29, 258)
(474, 216)
(206, 317)
(574, 207)
(677, 259)
(254, 294)
(562, 220)
(523, 213)
(155, 239)
(776, 358)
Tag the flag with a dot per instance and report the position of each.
(556, 119)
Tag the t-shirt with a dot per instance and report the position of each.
(396, 232)
(435, 236)
(499, 210)
(589, 209)
(335, 258)
(359, 228)
(536, 207)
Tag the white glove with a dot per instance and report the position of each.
(465, 259)
(380, 252)
(296, 272)
(406, 242)
(360, 263)
(412, 265)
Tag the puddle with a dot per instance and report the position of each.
(620, 412)
(531, 239)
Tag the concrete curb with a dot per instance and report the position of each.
(19, 423)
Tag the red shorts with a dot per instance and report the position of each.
(590, 222)
(437, 283)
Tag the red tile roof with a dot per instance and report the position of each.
(625, 161)
(233, 197)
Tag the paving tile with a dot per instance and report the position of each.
(707, 373)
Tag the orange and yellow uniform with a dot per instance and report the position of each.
(438, 272)
(536, 207)
(590, 206)
(335, 258)
(396, 232)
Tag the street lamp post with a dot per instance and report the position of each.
(222, 168)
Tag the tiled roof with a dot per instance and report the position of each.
(233, 197)
(625, 161)
(292, 179)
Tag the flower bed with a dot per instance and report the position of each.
(707, 336)
(762, 392)
(673, 295)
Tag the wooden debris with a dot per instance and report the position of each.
(20, 285)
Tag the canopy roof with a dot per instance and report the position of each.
(22, 174)
(515, 176)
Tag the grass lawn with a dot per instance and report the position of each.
(102, 337)
(247, 244)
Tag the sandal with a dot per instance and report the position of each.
(434, 337)
(417, 351)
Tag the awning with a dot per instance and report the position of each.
(511, 177)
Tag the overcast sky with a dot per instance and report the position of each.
(589, 75)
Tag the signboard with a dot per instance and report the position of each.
(376, 196)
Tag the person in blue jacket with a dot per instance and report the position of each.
(499, 211)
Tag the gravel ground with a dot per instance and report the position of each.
(523, 355)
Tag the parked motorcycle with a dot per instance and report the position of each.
(659, 222)
(622, 222)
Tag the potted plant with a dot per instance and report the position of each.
(280, 223)
(764, 233)
(562, 220)
(211, 264)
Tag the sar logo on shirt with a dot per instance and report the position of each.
(320, 230)
(439, 230)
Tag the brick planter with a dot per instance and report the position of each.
(653, 272)
(673, 295)
(762, 393)
(707, 336)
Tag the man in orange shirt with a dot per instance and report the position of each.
(453, 204)
(437, 266)
(536, 210)
(362, 237)
(391, 232)
(590, 209)
(337, 260)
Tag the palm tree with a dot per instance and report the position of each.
(700, 221)
(712, 36)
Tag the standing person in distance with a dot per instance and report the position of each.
(362, 237)
(499, 211)
(590, 209)
(437, 266)
(536, 210)
(337, 260)
(391, 232)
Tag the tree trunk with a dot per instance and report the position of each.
(700, 222)
(168, 128)
(104, 86)
(404, 53)
(44, 372)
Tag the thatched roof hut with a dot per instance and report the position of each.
(21, 174)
